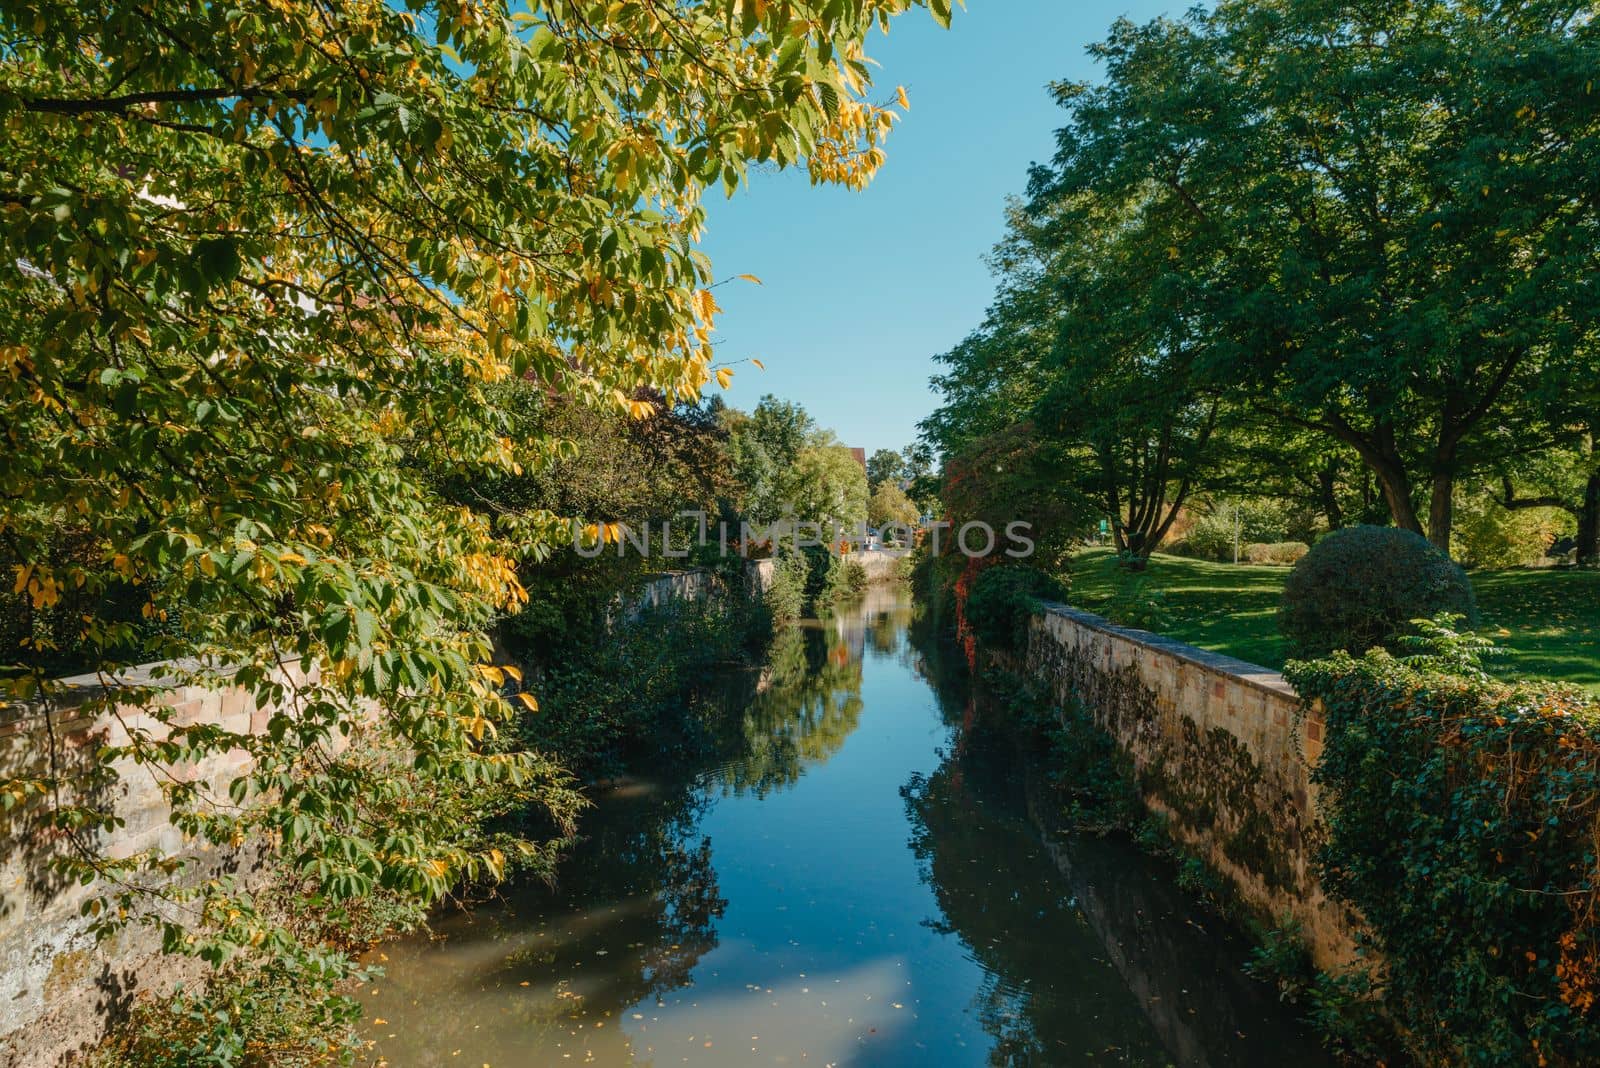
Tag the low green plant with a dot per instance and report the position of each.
(1196, 877)
(1136, 602)
(1002, 600)
(1443, 644)
(785, 597)
(1346, 1011)
(1361, 587)
(1282, 959)
(842, 577)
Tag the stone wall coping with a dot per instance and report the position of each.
(1252, 675)
(74, 690)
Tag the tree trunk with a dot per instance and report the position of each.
(1396, 488)
(1589, 524)
(1380, 454)
(1328, 490)
(1441, 509)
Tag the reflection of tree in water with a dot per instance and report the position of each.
(633, 911)
(811, 704)
(932, 653)
(1047, 996)
(644, 852)
(1085, 946)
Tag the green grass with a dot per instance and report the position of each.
(1550, 619)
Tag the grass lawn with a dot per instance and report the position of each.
(1552, 617)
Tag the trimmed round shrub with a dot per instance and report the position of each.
(1361, 587)
(1002, 599)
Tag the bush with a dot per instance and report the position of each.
(786, 597)
(1461, 818)
(1212, 536)
(1361, 587)
(1277, 552)
(1002, 600)
(835, 578)
(1487, 534)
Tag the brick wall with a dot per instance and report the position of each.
(57, 987)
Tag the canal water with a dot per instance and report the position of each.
(849, 878)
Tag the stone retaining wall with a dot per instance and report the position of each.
(57, 986)
(1221, 748)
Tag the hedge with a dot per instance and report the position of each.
(1463, 818)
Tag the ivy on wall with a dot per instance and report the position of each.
(1463, 818)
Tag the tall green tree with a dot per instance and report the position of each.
(889, 504)
(885, 465)
(1392, 209)
(260, 266)
(762, 447)
(825, 485)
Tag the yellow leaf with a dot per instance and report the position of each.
(900, 94)
(705, 305)
(529, 700)
(758, 363)
(724, 376)
(750, 278)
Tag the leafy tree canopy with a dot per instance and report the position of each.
(261, 267)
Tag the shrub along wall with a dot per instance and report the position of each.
(1463, 821)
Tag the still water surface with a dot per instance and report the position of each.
(850, 878)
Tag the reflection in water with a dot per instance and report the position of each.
(810, 704)
(848, 877)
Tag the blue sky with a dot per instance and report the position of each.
(861, 290)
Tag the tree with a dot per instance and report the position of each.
(885, 465)
(260, 267)
(1565, 478)
(1100, 348)
(762, 447)
(1391, 214)
(1014, 476)
(825, 485)
(889, 504)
